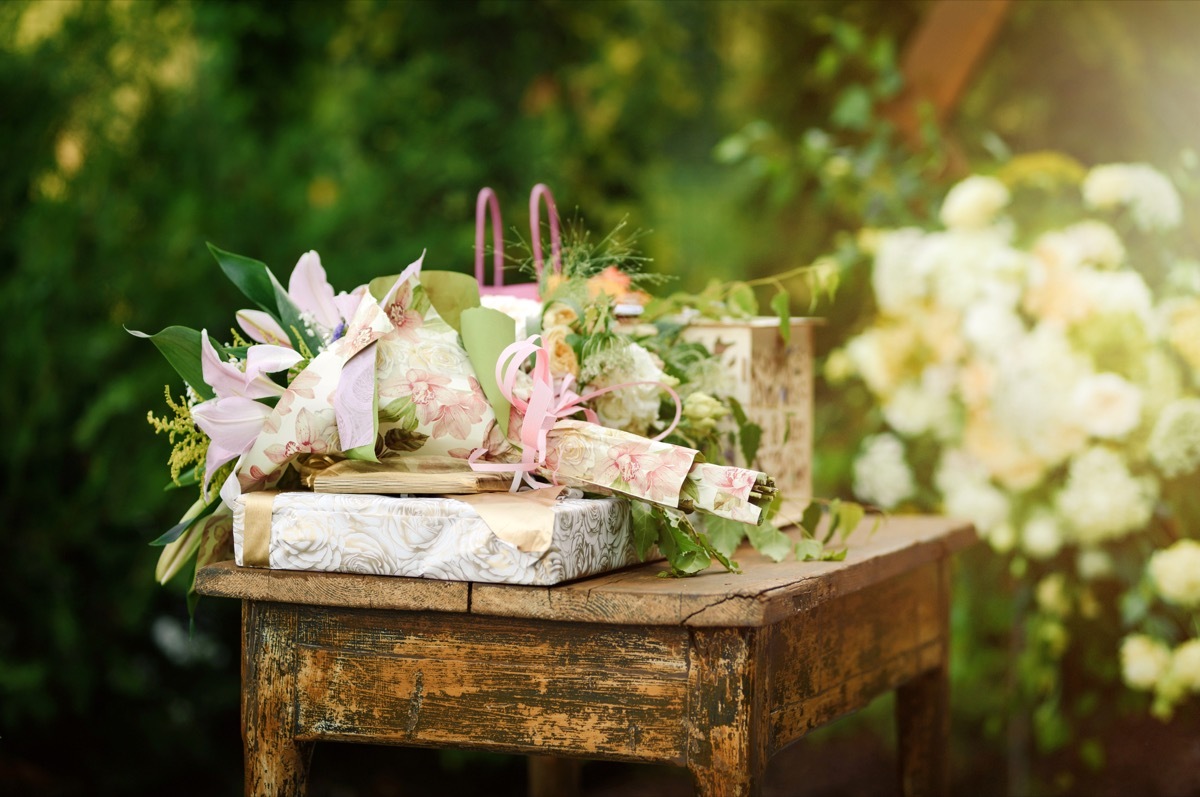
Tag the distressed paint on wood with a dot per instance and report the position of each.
(795, 651)
(727, 751)
(493, 684)
(276, 763)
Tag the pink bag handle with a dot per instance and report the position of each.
(486, 199)
(542, 191)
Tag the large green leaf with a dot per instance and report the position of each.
(181, 347)
(781, 304)
(685, 555)
(252, 277)
(645, 528)
(724, 534)
(770, 541)
(451, 293)
(486, 333)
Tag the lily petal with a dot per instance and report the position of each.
(227, 380)
(310, 290)
(232, 425)
(347, 303)
(267, 359)
(262, 327)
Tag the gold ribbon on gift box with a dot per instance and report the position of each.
(256, 528)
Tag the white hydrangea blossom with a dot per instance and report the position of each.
(1109, 406)
(632, 408)
(1102, 500)
(1144, 660)
(1148, 193)
(897, 277)
(1176, 573)
(881, 474)
(1042, 535)
(974, 202)
(1175, 440)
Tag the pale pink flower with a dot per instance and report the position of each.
(227, 379)
(312, 436)
(457, 412)
(232, 424)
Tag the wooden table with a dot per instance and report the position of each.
(714, 673)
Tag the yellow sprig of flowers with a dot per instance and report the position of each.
(189, 446)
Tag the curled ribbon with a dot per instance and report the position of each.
(547, 404)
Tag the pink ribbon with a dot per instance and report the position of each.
(547, 404)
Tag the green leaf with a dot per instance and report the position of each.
(852, 110)
(750, 436)
(808, 549)
(770, 541)
(252, 277)
(811, 518)
(781, 305)
(451, 293)
(742, 302)
(181, 347)
(835, 520)
(645, 528)
(834, 556)
(724, 535)
(685, 555)
(379, 287)
(485, 334)
(850, 515)
(363, 453)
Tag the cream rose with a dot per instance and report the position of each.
(559, 314)
(1144, 660)
(562, 357)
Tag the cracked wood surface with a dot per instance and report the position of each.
(764, 593)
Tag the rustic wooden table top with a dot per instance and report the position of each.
(764, 593)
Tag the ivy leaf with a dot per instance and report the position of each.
(749, 433)
(834, 556)
(724, 535)
(808, 549)
(781, 305)
(252, 277)
(181, 347)
(685, 555)
(742, 302)
(811, 518)
(850, 515)
(770, 541)
(645, 529)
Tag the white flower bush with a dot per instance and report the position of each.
(1024, 365)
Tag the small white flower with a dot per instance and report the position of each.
(1175, 440)
(1102, 500)
(1151, 197)
(1108, 406)
(974, 203)
(881, 474)
(1176, 573)
(1094, 563)
(1144, 660)
(899, 276)
(1042, 535)
(1051, 595)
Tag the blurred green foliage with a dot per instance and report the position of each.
(746, 136)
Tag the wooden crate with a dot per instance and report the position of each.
(773, 381)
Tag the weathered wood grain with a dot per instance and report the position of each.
(227, 580)
(489, 683)
(714, 673)
(923, 714)
(276, 762)
(726, 714)
(838, 656)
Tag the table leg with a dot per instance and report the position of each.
(727, 753)
(923, 711)
(554, 777)
(276, 763)
(923, 732)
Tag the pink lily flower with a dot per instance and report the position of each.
(232, 424)
(310, 291)
(227, 380)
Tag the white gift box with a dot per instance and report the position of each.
(441, 538)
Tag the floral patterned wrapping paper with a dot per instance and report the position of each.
(586, 455)
(439, 538)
